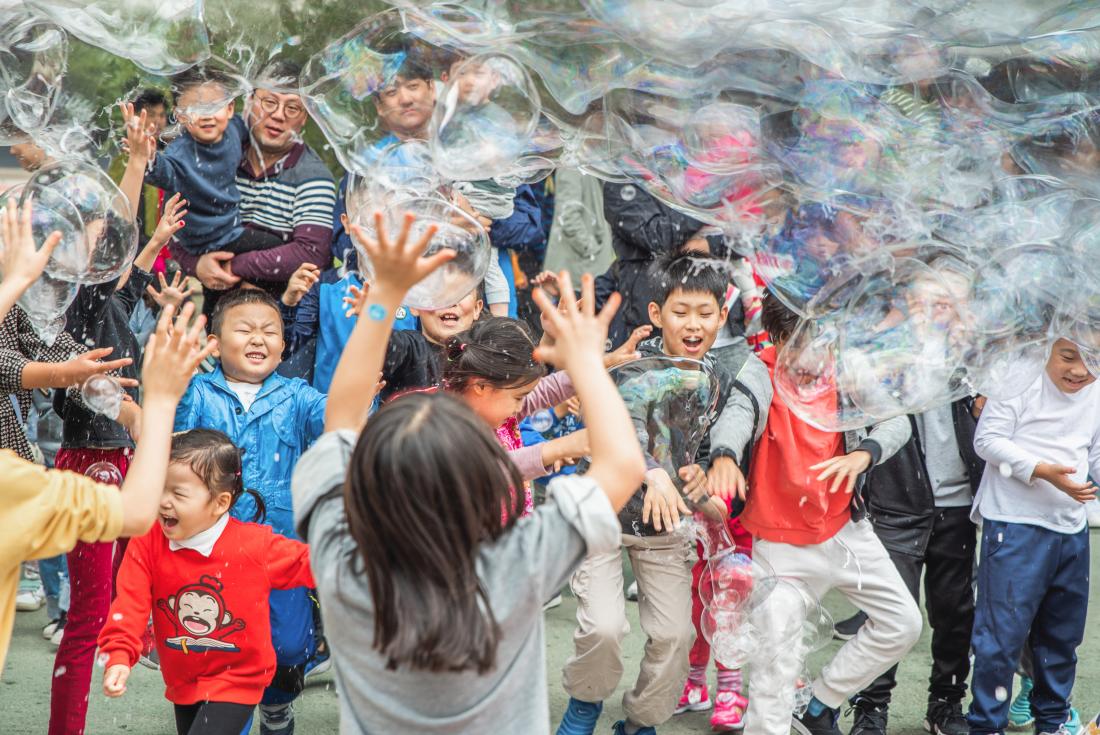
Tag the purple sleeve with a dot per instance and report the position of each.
(309, 244)
(551, 390)
(188, 262)
(528, 460)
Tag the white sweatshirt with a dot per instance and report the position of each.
(1043, 424)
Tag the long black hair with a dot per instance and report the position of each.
(428, 484)
(216, 460)
(496, 350)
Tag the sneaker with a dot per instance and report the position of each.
(1019, 712)
(868, 719)
(729, 712)
(53, 625)
(555, 601)
(55, 639)
(846, 629)
(150, 659)
(277, 719)
(321, 661)
(580, 717)
(946, 718)
(30, 599)
(1063, 729)
(1073, 722)
(632, 591)
(619, 728)
(695, 698)
(822, 724)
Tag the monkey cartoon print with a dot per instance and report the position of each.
(200, 617)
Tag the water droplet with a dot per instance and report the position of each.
(1001, 694)
(116, 617)
(59, 671)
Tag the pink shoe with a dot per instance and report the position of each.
(729, 712)
(694, 699)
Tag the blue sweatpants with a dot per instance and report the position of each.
(1033, 584)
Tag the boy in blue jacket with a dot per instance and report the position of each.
(272, 420)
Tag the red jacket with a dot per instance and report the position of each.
(211, 619)
(786, 503)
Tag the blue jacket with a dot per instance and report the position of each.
(284, 420)
(521, 231)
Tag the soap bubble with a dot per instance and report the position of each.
(485, 118)
(104, 472)
(33, 54)
(672, 399)
(161, 36)
(99, 238)
(103, 394)
(456, 231)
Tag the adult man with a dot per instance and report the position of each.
(285, 189)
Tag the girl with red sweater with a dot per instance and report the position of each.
(205, 577)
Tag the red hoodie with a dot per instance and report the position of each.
(211, 619)
(786, 502)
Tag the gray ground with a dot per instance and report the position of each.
(24, 688)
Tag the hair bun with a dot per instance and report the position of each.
(455, 348)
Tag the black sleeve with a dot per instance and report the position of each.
(87, 309)
(130, 294)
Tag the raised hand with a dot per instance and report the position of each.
(628, 350)
(399, 264)
(300, 283)
(171, 294)
(21, 263)
(171, 220)
(173, 354)
(140, 142)
(573, 332)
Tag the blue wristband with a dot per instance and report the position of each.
(377, 312)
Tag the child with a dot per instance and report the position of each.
(47, 511)
(99, 315)
(273, 420)
(210, 576)
(688, 308)
(449, 603)
(804, 528)
(492, 367)
(1033, 573)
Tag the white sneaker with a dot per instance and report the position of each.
(55, 639)
(632, 591)
(50, 629)
(30, 600)
(555, 601)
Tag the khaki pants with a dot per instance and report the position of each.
(855, 562)
(662, 566)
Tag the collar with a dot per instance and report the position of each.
(289, 160)
(202, 542)
(269, 385)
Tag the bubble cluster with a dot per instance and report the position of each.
(917, 181)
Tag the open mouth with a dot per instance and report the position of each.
(448, 320)
(169, 521)
(693, 344)
(255, 356)
(195, 625)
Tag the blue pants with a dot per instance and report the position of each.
(1033, 586)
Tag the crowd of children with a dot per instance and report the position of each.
(315, 476)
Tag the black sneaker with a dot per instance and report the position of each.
(946, 718)
(868, 719)
(822, 724)
(846, 630)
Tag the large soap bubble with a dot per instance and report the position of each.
(457, 231)
(99, 237)
(33, 54)
(161, 36)
(485, 118)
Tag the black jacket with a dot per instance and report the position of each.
(898, 493)
(412, 363)
(100, 317)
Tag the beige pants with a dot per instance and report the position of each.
(855, 562)
(662, 566)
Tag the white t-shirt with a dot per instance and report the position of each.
(1043, 424)
(246, 392)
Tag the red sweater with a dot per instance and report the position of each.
(211, 619)
(786, 502)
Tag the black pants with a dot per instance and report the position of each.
(948, 564)
(212, 718)
(250, 241)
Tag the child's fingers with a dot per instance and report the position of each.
(588, 295)
(567, 301)
(610, 307)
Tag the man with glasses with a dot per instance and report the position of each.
(285, 189)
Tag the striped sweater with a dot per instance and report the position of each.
(294, 199)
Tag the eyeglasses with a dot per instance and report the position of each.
(292, 110)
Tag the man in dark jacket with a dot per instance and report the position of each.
(919, 502)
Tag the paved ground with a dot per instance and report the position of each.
(24, 688)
